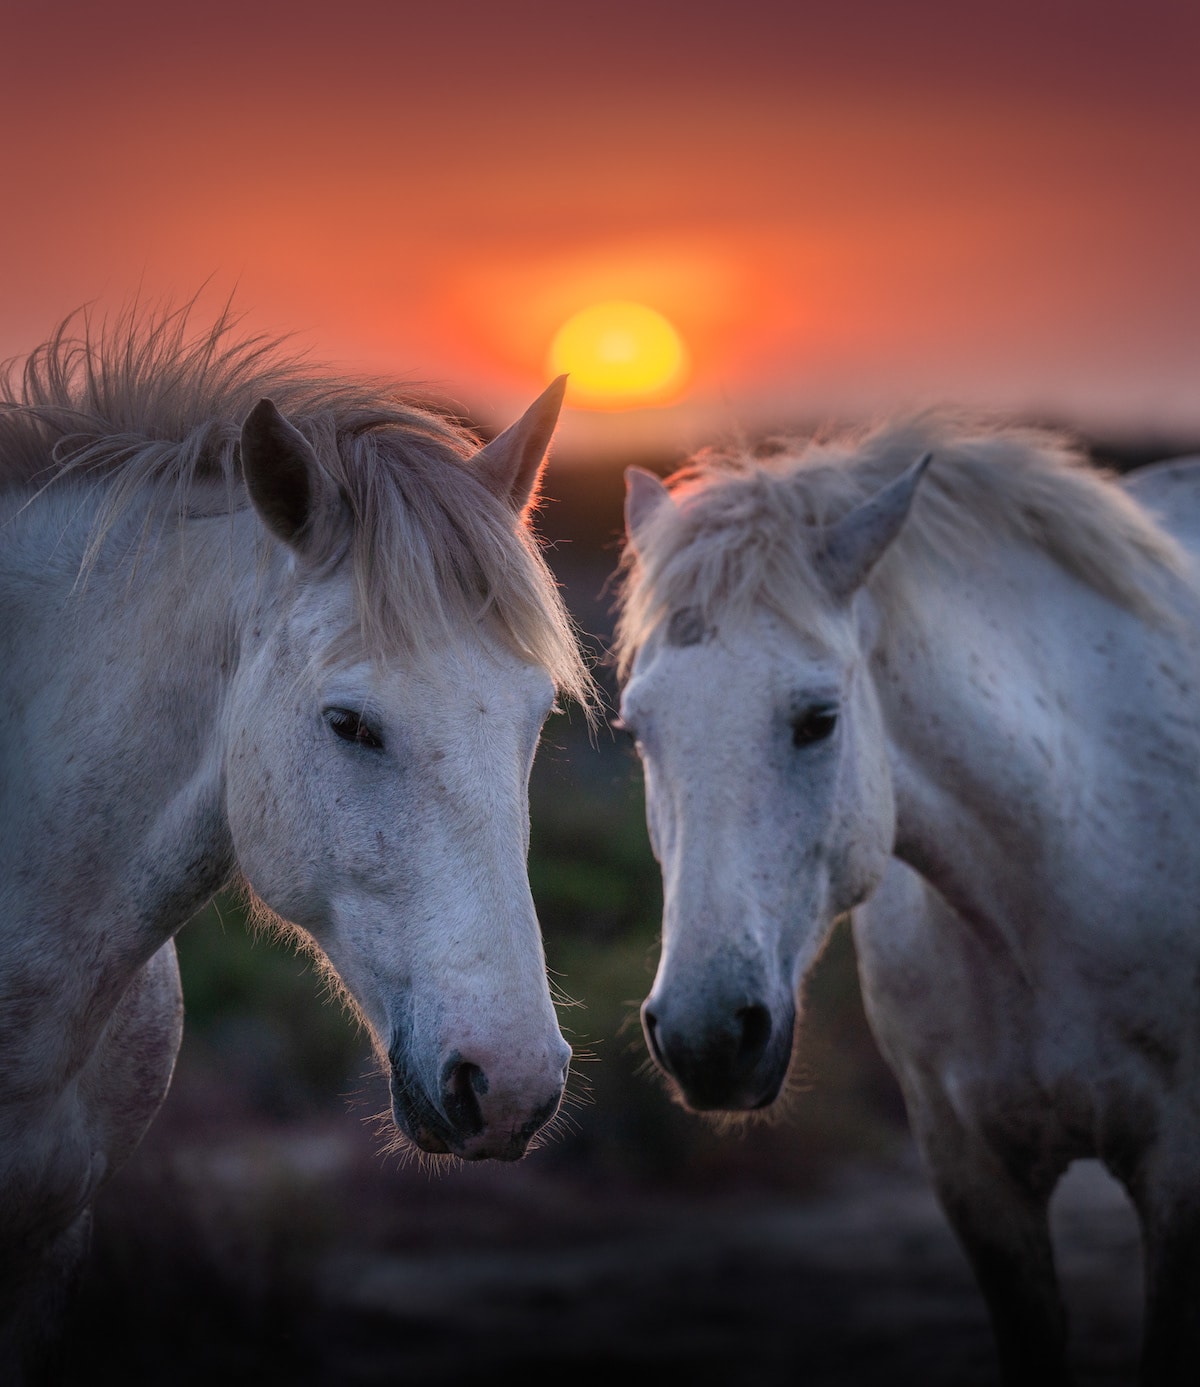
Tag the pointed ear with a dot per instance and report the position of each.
(285, 482)
(644, 493)
(510, 466)
(852, 547)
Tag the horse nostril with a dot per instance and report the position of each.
(462, 1084)
(755, 1024)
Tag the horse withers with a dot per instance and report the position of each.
(268, 626)
(943, 675)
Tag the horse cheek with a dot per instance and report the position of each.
(267, 835)
(865, 837)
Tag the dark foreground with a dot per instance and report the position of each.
(298, 1254)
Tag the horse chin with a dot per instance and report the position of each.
(714, 1095)
(511, 1147)
(428, 1142)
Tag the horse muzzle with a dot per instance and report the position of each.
(731, 1059)
(469, 1116)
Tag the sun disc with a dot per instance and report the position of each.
(619, 354)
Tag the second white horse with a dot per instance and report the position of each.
(947, 677)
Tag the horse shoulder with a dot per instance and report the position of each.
(930, 982)
(968, 1031)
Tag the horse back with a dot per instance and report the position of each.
(1170, 490)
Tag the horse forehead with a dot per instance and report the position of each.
(720, 663)
(487, 680)
(470, 662)
(456, 679)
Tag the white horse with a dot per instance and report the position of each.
(949, 675)
(267, 626)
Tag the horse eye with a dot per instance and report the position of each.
(814, 724)
(350, 727)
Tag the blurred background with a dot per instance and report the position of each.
(723, 220)
(840, 208)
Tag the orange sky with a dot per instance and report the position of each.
(843, 208)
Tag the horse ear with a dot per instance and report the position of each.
(283, 477)
(852, 547)
(510, 466)
(644, 493)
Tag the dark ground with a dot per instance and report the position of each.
(234, 1251)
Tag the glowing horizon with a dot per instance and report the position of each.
(937, 207)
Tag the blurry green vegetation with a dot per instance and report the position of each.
(259, 1015)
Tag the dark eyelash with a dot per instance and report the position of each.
(351, 727)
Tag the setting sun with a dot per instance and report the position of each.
(619, 355)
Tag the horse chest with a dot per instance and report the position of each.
(1045, 1058)
(1038, 1108)
(50, 1169)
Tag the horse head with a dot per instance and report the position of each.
(768, 792)
(378, 798)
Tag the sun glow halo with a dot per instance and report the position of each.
(619, 355)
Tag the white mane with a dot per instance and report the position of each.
(736, 534)
(149, 407)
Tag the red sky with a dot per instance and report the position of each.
(845, 208)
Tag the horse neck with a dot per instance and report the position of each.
(1007, 695)
(113, 682)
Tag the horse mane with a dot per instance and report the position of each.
(151, 410)
(735, 535)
